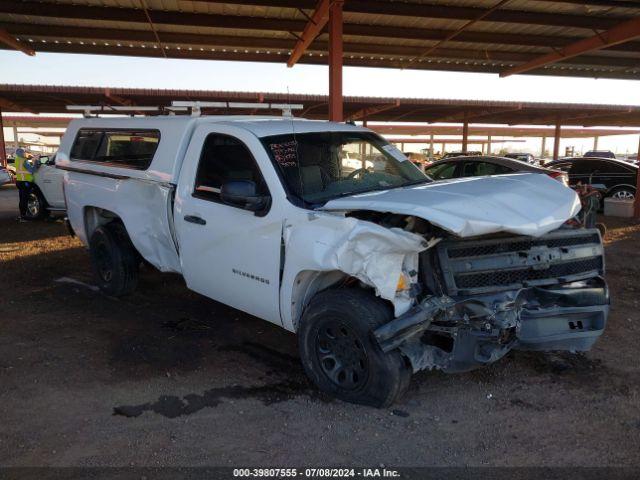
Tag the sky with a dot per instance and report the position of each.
(120, 71)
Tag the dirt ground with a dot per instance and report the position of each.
(208, 385)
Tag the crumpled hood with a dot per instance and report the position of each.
(524, 204)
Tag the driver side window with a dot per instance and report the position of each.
(224, 159)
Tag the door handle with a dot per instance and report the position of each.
(194, 219)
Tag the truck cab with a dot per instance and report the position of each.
(379, 271)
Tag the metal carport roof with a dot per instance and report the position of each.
(460, 35)
(54, 99)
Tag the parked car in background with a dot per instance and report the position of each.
(46, 194)
(612, 178)
(523, 157)
(600, 154)
(461, 154)
(5, 176)
(479, 166)
(11, 167)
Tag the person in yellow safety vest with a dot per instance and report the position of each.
(24, 179)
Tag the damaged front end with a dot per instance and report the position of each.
(484, 297)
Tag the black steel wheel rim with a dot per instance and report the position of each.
(341, 355)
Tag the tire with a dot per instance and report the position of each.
(336, 329)
(114, 259)
(624, 193)
(36, 205)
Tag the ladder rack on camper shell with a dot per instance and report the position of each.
(194, 108)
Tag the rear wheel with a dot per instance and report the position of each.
(623, 193)
(114, 260)
(339, 353)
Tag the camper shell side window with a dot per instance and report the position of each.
(115, 147)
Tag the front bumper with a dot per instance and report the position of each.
(460, 335)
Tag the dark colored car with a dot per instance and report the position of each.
(461, 154)
(612, 178)
(523, 157)
(600, 154)
(479, 166)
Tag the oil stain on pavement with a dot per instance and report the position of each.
(277, 363)
(172, 406)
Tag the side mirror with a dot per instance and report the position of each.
(43, 160)
(243, 194)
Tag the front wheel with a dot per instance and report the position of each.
(339, 353)
(114, 260)
(36, 205)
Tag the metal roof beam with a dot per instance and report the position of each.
(350, 60)
(464, 27)
(572, 117)
(369, 111)
(11, 106)
(186, 39)
(437, 10)
(603, 3)
(615, 119)
(312, 29)
(472, 115)
(131, 15)
(124, 102)
(11, 41)
(621, 33)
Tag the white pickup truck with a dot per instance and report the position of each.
(380, 271)
(46, 193)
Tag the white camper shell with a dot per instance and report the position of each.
(379, 270)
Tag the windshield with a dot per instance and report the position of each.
(317, 167)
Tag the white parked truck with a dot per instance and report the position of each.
(379, 270)
(45, 195)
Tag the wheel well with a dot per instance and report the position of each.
(622, 187)
(309, 283)
(95, 217)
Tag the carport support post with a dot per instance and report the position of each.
(465, 133)
(335, 61)
(595, 142)
(556, 144)
(3, 151)
(431, 152)
(636, 204)
(489, 145)
(16, 142)
(543, 147)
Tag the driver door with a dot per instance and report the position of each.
(228, 254)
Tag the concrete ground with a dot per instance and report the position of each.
(213, 386)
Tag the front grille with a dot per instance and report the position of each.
(521, 244)
(482, 266)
